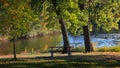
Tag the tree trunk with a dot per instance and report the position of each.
(14, 49)
(86, 32)
(65, 36)
(87, 39)
(119, 24)
(63, 27)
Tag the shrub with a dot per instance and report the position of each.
(115, 48)
(108, 49)
(102, 49)
(79, 49)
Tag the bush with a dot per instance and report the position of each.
(115, 49)
(79, 49)
(100, 49)
(108, 49)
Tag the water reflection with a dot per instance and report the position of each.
(33, 45)
(41, 44)
(98, 42)
(5, 48)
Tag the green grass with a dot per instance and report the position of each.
(75, 61)
(105, 57)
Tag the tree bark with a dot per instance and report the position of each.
(14, 49)
(87, 39)
(119, 24)
(65, 36)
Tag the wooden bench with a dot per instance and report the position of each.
(59, 49)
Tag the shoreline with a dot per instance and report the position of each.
(41, 34)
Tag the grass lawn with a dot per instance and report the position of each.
(77, 60)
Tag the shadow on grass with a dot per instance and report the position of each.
(77, 61)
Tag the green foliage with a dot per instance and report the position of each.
(68, 10)
(99, 49)
(79, 49)
(106, 13)
(22, 14)
(102, 14)
(16, 18)
(37, 6)
(76, 26)
(108, 49)
(103, 49)
(46, 14)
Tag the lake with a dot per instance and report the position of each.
(41, 44)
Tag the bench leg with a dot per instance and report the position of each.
(51, 54)
(69, 52)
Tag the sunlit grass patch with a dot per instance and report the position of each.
(79, 49)
(109, 49)
(115, 48)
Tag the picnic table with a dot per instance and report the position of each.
(59, 49)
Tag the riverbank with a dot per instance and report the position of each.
(42, 34)
(33, 35)
(77, 60)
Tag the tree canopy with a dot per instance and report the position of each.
(16, 17)
(23, 13)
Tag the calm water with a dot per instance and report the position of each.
(41, 44)
(32, 45)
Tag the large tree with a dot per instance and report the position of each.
(16, 18)
(98, 14)
(86, 7)
(66, 13)
(60, 12)
(104, 13)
